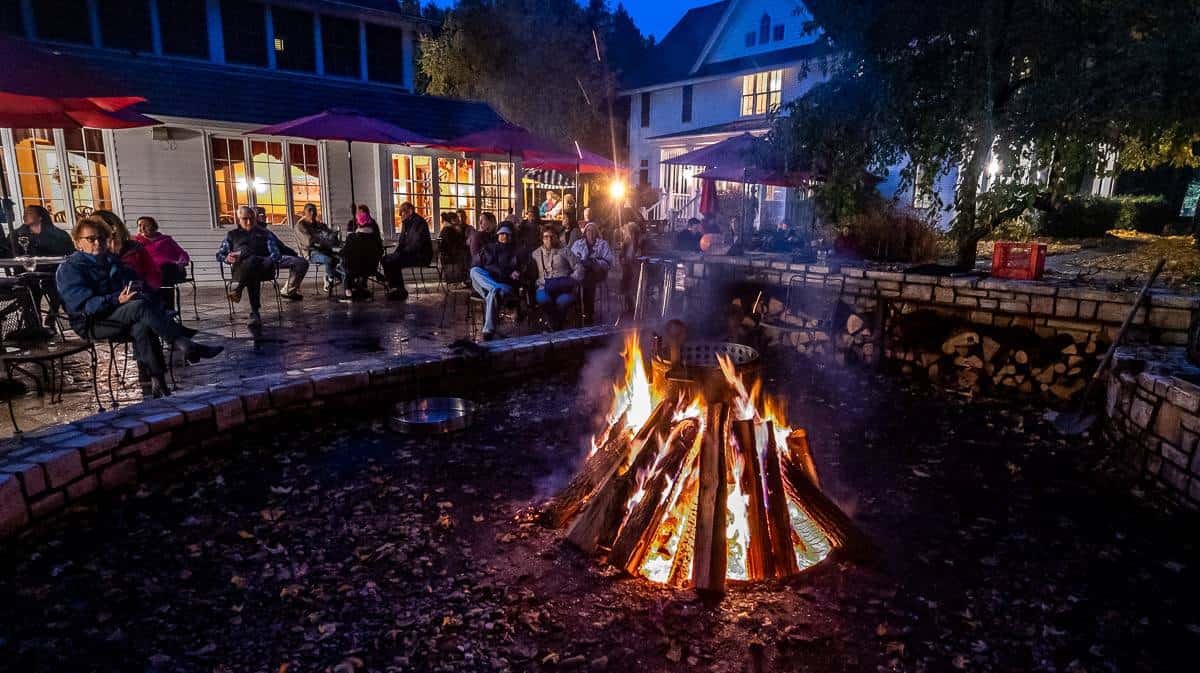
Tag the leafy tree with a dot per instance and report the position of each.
(1009, 92)
(534, 61)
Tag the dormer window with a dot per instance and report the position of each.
(762, 92)
(764, 29)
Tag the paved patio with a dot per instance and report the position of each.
(314, 332)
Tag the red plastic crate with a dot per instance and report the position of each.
(1018, 261)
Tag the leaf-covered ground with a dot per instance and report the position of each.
(348, 548)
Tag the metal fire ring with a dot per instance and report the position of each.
(432, 415)
(704, 354)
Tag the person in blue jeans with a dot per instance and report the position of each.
(318, 241)
(496, 273)
(558, 274)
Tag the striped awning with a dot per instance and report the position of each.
(547, 178)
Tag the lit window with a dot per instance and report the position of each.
(412, 181)
(295, 47)
(87, 167)
(761, 92)
(279, 44)
(39, 173)
(230, 179)
(269, 177)
(305, 172)
(496, 188)
(456, 185)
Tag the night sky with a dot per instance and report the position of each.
(654, 17)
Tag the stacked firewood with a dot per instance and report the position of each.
(808, 334)
(1003, 359)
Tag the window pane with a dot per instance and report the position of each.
(747, 105)
(412, 181)
(88, 170)
(125, 24)
(38, 171)
(385, 56)
(270, 188)
(244, 26)
(294, 41)
(776, 80)
(229, 178)
(183, 25)
(747, 85)
(339, 46)
(456, 185)
(62, 20)
(305, 178)
(496, 188)
(773, 103)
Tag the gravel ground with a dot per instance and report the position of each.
(349, 548)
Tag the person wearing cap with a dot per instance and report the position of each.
(596, 258)
(497, 272)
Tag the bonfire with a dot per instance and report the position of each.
(696, 478)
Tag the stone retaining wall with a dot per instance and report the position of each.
(1154, 418)
(45, 471)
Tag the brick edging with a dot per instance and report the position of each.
(47, 470)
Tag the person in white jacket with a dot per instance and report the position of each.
(596, 258)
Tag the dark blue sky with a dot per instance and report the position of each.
(653, 17)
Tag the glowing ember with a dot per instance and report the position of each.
(645, 481)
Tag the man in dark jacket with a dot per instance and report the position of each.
(252, 252)
(105, 300)
(497, 272)
(415, 248)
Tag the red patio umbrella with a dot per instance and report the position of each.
(348, 126)
(708, 197)
(508, 139)
(584, 162)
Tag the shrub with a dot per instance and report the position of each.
(1090, 216)
(888, 234)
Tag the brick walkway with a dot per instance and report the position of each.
(310, 333)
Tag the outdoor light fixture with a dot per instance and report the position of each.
(616, 189)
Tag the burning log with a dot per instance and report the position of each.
(613, 451)
(833, 522)
(641, 526)
(777, 513)
(709, 559)
(681, 562)
(602, 514)
(801, 454)
(759, 562)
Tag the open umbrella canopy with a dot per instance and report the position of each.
(757, 176)
(729, 152)
(588, 163)
(40, 88)
(347, 125)
(508, 139)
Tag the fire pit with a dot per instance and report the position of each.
(697, 478)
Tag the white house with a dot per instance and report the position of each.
(212, 70)
(717, 74)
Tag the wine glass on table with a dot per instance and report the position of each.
(26, 259)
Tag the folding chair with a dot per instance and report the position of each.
(228, 284)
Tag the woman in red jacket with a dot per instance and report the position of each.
(132, 253)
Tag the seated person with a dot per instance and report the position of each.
(133, 255)
(596, 258)
(688, 240)
(105, 300)
(414, 248)
(549, 207)
(38, 237)
(317, 240)
(783, 239)
(289, 259)
(171, 260)
(361, 254)
(558, 274)
(497, 272)
(454, 255)
(484, 235)
(528, 231)
(252, 253)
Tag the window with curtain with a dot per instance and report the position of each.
(244, 27)
(269, 177)
(125, 25)
(339, 47)
(412, 181)
(762, 92)
(496, 188)
(230, 179)
(295, 47)
(304, 171)
(456, 185)
(87, 168)
(62, 20)
(183, 26)
(39, 174)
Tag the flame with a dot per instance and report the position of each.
(668, 556)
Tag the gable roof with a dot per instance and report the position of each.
(179, 88)
(673, 58)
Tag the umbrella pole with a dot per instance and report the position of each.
(350, 161)
(7, 214)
